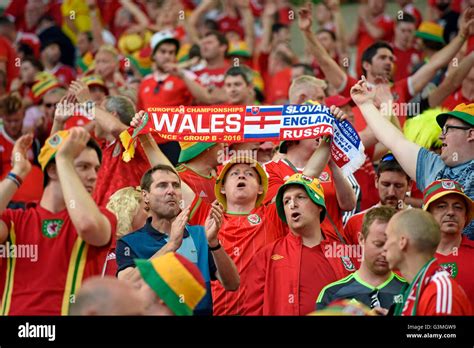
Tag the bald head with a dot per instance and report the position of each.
(305, 88)
(419, 227)
(107, 296)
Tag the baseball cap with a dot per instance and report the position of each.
(163, 36)
(338, 100)
(464, 112)
(175, 280)
(313, 189)
(241, 160)
(443, 187)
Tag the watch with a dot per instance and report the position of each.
(216, 247)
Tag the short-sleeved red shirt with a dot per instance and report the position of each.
(44, 278)
(172, 91)
(459, 264)
(241, 236)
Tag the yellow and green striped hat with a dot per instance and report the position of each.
(312, 187)
(190, 149)
(175, 280)
(44, 82)
(430, 31)
(443, 187)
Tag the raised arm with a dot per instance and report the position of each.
(108, 122)
(248, 22)
(335, 75)
(452, 81)
(404, 150)
(198, 13)
(227, 273)
(91, 225)
(441, 58)
(21, 168)
(136, 12)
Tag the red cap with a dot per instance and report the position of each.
(338, 100)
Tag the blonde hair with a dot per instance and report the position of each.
(305, 81)
(125, 203)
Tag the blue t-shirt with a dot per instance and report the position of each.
(145, 242)
(430, 167)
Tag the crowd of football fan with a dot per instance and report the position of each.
(254, 228)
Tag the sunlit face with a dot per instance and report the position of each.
(373, 244)
(241, 184)
(300, 211)
(87, 166)
(165, 195)
(382, 64)
(236, 90)
(455, 142)
(450, 212)
(392, 187)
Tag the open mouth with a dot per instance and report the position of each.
(241, 184)
(295, 216)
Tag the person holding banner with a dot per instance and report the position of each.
(339, 195)
(457, 154)
(247, 225)
(286, 276)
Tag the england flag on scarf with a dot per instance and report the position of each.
(262, 123)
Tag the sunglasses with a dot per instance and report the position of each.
(49, 105)
(388, 157)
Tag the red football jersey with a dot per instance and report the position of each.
(405, 60)
(212, 77)
(50, 263)
(458, 264)
(455, 99)
(443, 296)
(65, 74)
(115, 174)
(241, 236)
(279, 171)
(172, 91)
(9, 56)
(202, 186)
